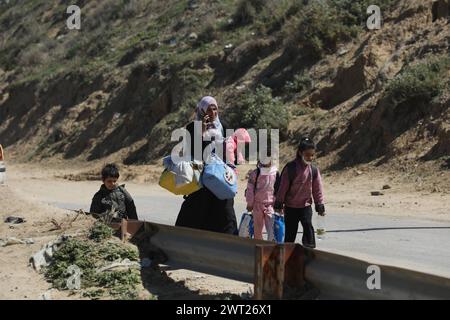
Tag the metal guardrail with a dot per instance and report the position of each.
(274, 268)
(208, 252)
(342, 277)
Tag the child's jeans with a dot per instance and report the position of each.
(292, 216)
(261, 217)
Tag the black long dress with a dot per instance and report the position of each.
(202, 209)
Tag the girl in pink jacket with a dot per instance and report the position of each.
(260, 196)
(300, 188)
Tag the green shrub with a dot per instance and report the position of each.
(317, 30)
(72, 252)
(354, 12)
(300, 84)
(258, 110)
(265, 16)
(93, 294)
(319, 27)
(111, 279)
(115, 252)
(419, 83)
(100, 232)
(132, 8)
(35, 55)
(247, 11)
(88, 256)
(274, 15)
(208, 34)
(301, 111)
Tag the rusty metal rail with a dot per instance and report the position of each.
(276, 268)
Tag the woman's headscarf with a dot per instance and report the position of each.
(201, 109)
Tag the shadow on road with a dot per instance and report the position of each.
(386, 228)
(379, 229)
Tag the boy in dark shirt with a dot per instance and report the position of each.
(111, 196)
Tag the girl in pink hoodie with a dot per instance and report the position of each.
(301, 187)
(260, 196)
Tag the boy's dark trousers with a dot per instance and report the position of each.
(292, 216)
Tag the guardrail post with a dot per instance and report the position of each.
(278, 267)
(269, 271)
(124, 230)
(128, 228)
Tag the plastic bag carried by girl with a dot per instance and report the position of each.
(246, 226)
(277, 230)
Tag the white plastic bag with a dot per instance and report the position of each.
(246, 226)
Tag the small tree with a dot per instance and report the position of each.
(420, 83)
(259, 110)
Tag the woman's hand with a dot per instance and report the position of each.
(205, 122)
(249, 208)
